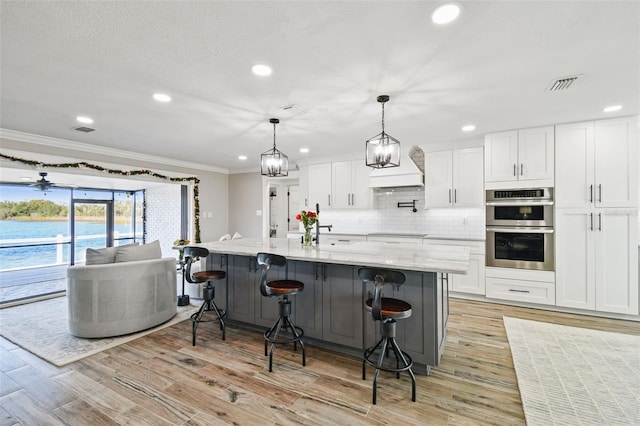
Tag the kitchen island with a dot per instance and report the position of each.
(330, 309)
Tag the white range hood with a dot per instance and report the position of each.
(406, 174)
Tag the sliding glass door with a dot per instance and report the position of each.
(92, 226)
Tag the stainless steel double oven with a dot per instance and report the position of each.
(520, 228)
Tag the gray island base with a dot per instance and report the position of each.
(330, 310)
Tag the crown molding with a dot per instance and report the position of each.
(94, 149)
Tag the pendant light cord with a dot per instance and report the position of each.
(382, 117)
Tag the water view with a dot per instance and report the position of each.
(22, 233)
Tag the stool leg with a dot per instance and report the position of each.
(195, 321)
(375, 375)
(367, 354)
(273, 345)
(297, 336)
(413, 377)
(214, 307)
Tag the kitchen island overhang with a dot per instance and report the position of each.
(331, 308)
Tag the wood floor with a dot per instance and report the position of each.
(161, 379)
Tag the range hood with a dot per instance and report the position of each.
(406, 174)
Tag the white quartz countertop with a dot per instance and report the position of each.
(442, 258)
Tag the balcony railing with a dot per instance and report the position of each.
(20, 253)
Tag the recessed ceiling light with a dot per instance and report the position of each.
(242, 157)
(261, 69)
(25, 178)
(613, 108)
(85, 120)
(304, 150)
(446, 13)
(161, 97)
(468, 128)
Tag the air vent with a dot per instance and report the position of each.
(85, 129)
(292, 110)
(564, 83)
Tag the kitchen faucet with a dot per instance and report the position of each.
(318, 224)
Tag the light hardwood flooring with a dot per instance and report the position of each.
(161, 379)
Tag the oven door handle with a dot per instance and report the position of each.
(520, 203)
(522, 230)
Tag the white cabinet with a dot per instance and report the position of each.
(454, 178)
(520, 156)
(596, 260)
(596, 216)
(303, 182)
(597, 164)
(474, 281)
(350, 185)
(320, 186)
(521, 285)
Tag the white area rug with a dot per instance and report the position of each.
(42, 329)
(575, 376)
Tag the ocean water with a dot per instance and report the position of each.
(14, 232)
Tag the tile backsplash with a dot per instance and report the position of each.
(387, 217)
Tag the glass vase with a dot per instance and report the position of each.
(307, 236)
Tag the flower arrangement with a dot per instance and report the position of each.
(308, 219)
(179, 243)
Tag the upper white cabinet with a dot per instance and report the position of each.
(454, 178)
(303, 192)
(320, 186)
(597, 164)
(350, 185)
(520, 156)
(339, 185)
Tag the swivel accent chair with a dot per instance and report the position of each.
(208, 292)
(387, 311)
(281, 289)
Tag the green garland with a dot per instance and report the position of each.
(83, 165)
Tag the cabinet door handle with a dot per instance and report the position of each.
(306, 202)
(353, 199)
(591, 193)
(514, 169)
(348, 199)
(324, 272)
(592, 221)
(316, 271)
(521, 169)
(455, 196)
(329, 199)
(449, 196)
(600, 193)
(515, 290)
(250, 263)
(599, 221)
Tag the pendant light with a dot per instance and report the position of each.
(382, 150)
(274, 163)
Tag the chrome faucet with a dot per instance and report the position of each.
(318, 224)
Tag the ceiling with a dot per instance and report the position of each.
(330, 60)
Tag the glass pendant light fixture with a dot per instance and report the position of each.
(382, 150)
(274, 162)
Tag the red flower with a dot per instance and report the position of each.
(298, 217)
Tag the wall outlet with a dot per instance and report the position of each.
(258, 212)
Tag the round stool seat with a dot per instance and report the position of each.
(285, 287)
(391, 308)
(209, 275)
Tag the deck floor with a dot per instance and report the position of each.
(19, 284)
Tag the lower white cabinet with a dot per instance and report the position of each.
(521, 285)
(474, 281)
(597, 260)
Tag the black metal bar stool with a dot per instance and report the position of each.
(386, 310)
(281, 289)
(208, 292)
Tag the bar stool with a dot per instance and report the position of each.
(387, 311)
(281, 289)
(208, 293)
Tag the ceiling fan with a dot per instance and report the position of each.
(43, 184)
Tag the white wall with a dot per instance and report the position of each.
(245, 198)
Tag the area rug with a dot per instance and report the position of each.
(41, 328)
(571, 376)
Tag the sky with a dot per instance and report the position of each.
(26, 193)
